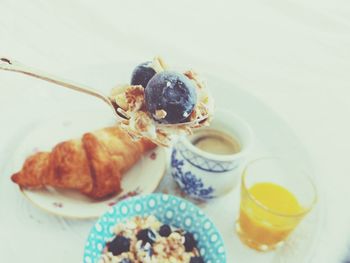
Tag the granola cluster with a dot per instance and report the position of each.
(140, 123)
(147, 240)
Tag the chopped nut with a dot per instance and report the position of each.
(119, 89)
(163, 137)
(120, 100)
(118, 95)
(160, 114)
(142, 121)
(194, 76)
(130, 225)
(135, 97)
(175, 235)
(158, 64)
(125, 122)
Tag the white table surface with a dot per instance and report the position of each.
(294, 55)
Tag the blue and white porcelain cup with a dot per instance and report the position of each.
(203, 175)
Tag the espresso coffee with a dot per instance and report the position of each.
(215, 142)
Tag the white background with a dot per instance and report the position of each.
(292, 54)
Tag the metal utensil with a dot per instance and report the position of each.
(15, 66)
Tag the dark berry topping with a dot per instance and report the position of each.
(173, 93)
(146, 235)
(119, 245)
(165, 230)
(190, 242)
(196, 260)
(142, 74)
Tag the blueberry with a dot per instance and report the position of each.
(125, 260)
(119, 245)
(196, 260)
(190, 242)
(165, 230)
(172, 92)
(146, 235)
(142, 74)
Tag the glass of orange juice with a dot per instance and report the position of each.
(275, 197)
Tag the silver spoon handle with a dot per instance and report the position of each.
(12, 65)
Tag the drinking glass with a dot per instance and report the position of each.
(269, 215)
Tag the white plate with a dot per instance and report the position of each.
(273, 136)
(142, 178)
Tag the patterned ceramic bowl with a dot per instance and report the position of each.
(169, 210)
(203, 175)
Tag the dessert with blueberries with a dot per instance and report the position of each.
(147, 240)
(160, 102)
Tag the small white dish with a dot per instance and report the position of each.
(203, 175)
(143, 178)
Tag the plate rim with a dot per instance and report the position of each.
(35, 126)
(53, 212)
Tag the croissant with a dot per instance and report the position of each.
(93, 165)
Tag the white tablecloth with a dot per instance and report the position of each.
(293, 54)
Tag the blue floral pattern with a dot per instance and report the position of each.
(189, 183)
(208, 165)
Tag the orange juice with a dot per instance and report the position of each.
(268, 213)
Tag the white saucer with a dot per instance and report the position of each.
(142, 178)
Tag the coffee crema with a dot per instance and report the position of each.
(215, 142)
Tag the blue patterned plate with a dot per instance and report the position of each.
(169, 210)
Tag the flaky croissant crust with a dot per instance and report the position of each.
(93, 164)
